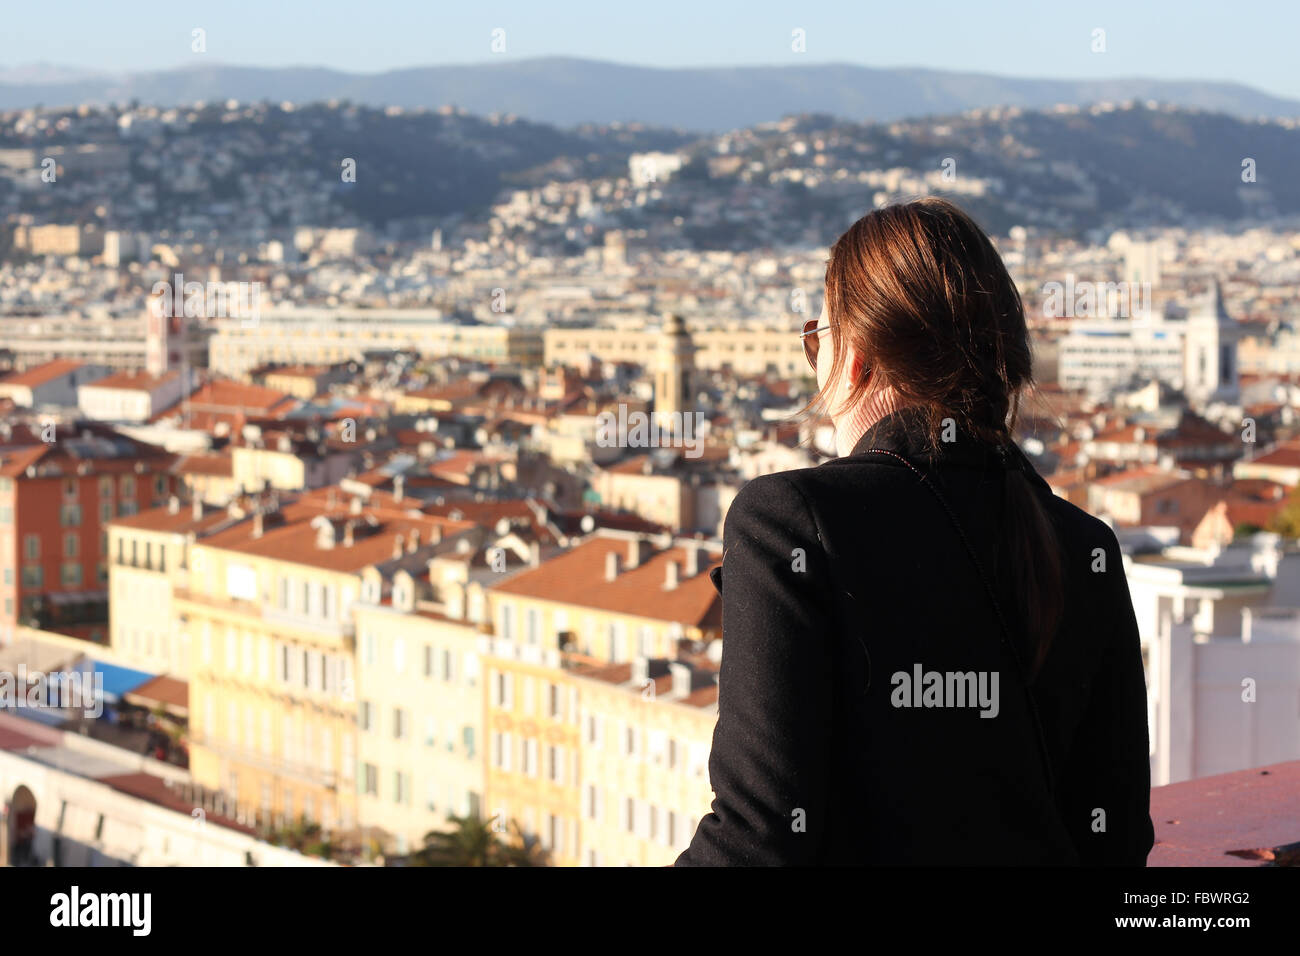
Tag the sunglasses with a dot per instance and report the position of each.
(812, 340)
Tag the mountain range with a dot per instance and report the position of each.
(568, 91)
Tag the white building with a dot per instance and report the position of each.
(1193, 350)
(134, 397)
(1221, 644)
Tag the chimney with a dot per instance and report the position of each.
(638, 549)
(398, 549)
(414, 544)
(399, 487)
(173, 505)
(257, 522)
(611, 565)
(692, 567)
(435, 536)
(671, 576)
(355, 506)
(196, 508)
(348, 534)
(534, 554)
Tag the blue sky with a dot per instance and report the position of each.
(1251, 43)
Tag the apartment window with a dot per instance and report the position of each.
(399, 655)
(533, 629)
(630, 821)
(126, 508)
(126, 485)
(467, 737)
(33, 576)
(70, 574)
(428, 660)
(555, 705)
(399, 723)
(31, 547)
(556, 759)
(101, 572)
(430, 730)
(447, 673)
(105, 512)
(70, 516)
(70, 488)
(105, 486)
(504, 695)
(71, 543)
(530, 758)
(370, 780)
(159, 485)
(364, 716)
(284, 594)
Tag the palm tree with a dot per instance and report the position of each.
(472, 842)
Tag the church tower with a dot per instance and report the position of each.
(1210, 351)
(675, 365)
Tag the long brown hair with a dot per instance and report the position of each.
(922, 295)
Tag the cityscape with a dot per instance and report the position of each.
(363, 468)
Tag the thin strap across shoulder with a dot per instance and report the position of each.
(997, 608)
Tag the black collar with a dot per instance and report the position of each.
(902, 431)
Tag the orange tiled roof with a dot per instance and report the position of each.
(577, 577)
(40, 374)
(138, 381)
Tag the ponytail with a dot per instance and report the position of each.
(1034, 564)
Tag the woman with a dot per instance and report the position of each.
(879, 702)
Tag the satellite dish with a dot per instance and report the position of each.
(588, 524)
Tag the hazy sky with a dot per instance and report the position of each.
(1252, 43)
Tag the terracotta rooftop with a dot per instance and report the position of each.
(290, 535)
(40, 374)
(577, 577)
(134, 381)
(1285, 455)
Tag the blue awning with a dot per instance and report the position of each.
(117, 680)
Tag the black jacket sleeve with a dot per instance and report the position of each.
(1106, 790)
(768, 765)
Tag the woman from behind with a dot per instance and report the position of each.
(928, 658)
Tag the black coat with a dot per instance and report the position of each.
(834, 580)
